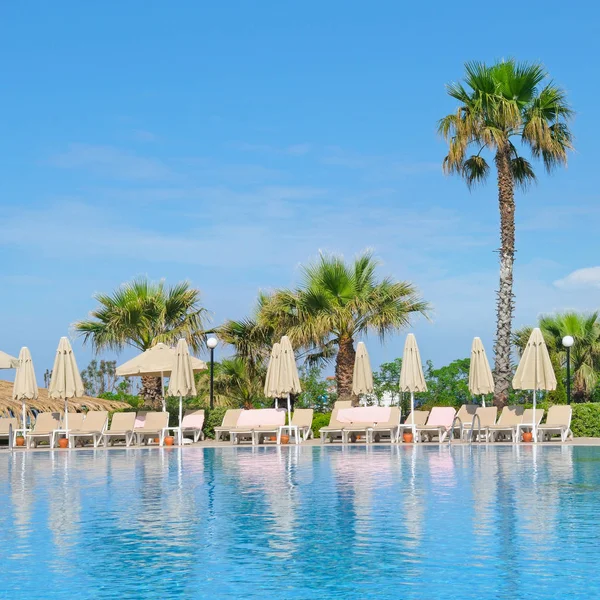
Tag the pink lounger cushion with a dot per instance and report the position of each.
(364, 414)
(441, 416)
(261, 416)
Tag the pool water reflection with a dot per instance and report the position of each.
(308, 522)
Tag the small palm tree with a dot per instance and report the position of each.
(500, 108)
(585, 353)
(336, 303)
(251, 339)
(142, 313)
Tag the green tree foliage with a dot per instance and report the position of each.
(386, 382)
(100, 377)
(448, 385)
(316, 393)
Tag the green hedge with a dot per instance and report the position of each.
(320, 420)
(586, 419)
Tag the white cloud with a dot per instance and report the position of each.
(586, 278)
(112, 162)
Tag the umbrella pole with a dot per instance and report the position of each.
(67, 418)
(533, 427)
(24, 426)
(162, 387)
(412, 412)
(180, 419)
(289, 407)
(483, 400)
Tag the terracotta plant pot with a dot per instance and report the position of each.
(63, 443)
(407, 438)
(169, 440)
(527, 436)
(273, 438)
(284, 439)
(157, 440)
(20, 441)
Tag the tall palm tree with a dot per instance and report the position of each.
(502, 106)
(337, 303)
(142, 313)
(585, 353)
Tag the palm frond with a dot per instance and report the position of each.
(475, 170)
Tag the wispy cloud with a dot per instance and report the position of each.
(586, 278)
(111, 162)
(377, 166)
(299, 149)
(142, 135)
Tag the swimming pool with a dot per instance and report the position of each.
(308, 522)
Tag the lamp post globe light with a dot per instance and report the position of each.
(212, 342)
(567, 342)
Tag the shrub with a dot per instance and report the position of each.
(320, 420)
(213, 418)
(586, 420)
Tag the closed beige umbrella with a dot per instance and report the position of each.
(272, 376)
(7, 361)
(66, 381)
(362, 378)
(535, 371)
(25, 386)
(182, 381)
(481, 381)
(288, 381)
(158, 361)
(411, 374)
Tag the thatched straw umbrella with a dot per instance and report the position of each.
(44, 403)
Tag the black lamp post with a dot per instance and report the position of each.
(212, 344)
(567, 342)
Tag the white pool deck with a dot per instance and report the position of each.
(582, 441)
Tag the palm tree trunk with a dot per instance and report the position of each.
(151, 392)
(505, 306)
(344, 369)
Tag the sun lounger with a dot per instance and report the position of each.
(45, 425)
(558, 422)
(255, 424)
(465, 413)
(439, 423)
(342, 404)
(229, 422)
(527, 423)
(92, 428)
(334, 429)
(155, 425)
(302, 419)
(192, 422)
(510, 417)
(480, 427)
(392, 427)
(362, 419)
(5, 425)
(420, 418)
(121, 428)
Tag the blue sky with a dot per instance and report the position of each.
(227, 143)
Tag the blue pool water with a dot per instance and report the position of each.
(381, 522)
